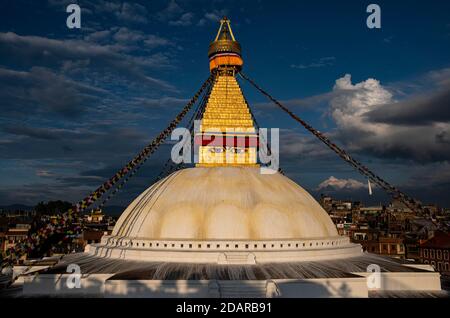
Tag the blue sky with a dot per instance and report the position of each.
(77, 104)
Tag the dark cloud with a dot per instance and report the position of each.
(163, 103)
(316, 103)
(38, 133)
(42, 90)
(184, 20)
(86, 145)
(137, 38)
(296, 145)
(133, 12)
(75, 162)
(172, 11)
(35, 50)
(149, 170)
(106, 6)
(212, 16)
(422, 110)
(443, 138)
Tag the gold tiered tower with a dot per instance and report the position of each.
(227, 135)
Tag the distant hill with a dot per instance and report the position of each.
(15, 207)
(113, 210)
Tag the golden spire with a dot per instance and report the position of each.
(225, 51)
(225, 31)
(227, 135)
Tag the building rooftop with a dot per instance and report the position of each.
(440, 240)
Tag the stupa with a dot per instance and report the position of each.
(224, 229)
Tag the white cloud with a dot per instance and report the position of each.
(341, 184)
(353, 105)
(170, 12)
(133, 12)
(98, 36)
(44, 173)
(322, 62)
(352, 101)
(127, 36)
(184, 20)
(213, 16)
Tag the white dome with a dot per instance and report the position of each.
(224, 203)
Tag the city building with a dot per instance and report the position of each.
(92, 236)
(435, 252)
(96, 216)
(15, 235)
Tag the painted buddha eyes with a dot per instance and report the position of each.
(216, 150)
(228, 150)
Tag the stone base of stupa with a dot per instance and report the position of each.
(110, 278)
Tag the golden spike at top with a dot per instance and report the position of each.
(223, 31)
(225, 51)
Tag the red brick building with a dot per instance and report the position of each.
(435, 252)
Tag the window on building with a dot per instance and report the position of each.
(439, 254)
(425, 253)
(432, 254)
(218, 246)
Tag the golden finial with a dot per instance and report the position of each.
(225, 50)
